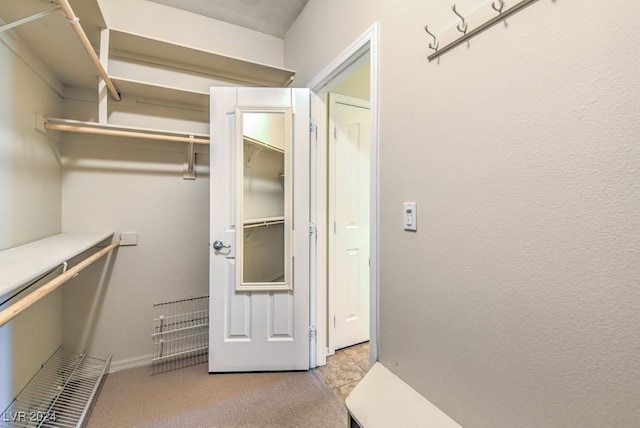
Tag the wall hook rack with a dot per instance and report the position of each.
(497, 5)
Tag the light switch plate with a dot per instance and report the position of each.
(128, 238)
(410, 216)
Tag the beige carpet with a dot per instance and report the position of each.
(190, 397)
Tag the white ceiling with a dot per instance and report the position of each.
(273, 17)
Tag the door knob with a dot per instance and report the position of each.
(219, 245)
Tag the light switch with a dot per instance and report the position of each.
(128, 238)
(410, 216)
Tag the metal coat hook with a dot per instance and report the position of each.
(498, 8)
(433, 45)
(463, 26)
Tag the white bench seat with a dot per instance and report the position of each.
(383, 400)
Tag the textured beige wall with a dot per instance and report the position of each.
(323, 31)
(29, 209)
(517, 301)
(133, 186)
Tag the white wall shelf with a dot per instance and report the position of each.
(140, 48)
(21, 265)
(183, 98)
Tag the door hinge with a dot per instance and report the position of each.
(312, 332)
(313, 229)
(313, 127)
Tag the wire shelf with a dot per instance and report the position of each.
(180, 333)
(60, 394)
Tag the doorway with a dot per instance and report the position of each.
(356, 67)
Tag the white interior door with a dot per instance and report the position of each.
(349, 221)
(264, 324)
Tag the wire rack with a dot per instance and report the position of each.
(180, 333)
(60, 394)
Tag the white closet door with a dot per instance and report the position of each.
(256, 330)
(349, 213)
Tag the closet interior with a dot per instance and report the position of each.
(138, 73)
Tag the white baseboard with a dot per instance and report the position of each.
(130, 363)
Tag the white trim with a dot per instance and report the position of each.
(367, 43)
(318, 212)
(287, 154)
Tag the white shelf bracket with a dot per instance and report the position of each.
(103, 91)
(39, 122)
(190, 165)
(29, 19)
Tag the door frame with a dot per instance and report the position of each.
(366, 45)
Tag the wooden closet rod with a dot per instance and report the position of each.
(263, 224)
(75, 24)
(122, 133)
(15, 309)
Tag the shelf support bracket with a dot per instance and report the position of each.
(103, 91)
(28, 19)
(190, 165)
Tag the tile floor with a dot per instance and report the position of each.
(345, 369)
